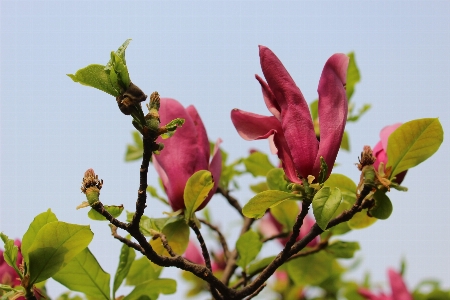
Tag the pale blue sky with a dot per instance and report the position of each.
(206, 54)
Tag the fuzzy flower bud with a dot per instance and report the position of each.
(91, 186)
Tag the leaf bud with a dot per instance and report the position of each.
(91, 186)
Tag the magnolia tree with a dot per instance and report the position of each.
(301, 202)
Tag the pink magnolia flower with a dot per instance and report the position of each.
(380, 149)
(398, 288)
(8, 275)
(269, 226)
(291, 124)
(185, 153)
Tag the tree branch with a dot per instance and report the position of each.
(222, 239)
(233, 201)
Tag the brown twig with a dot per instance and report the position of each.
(255, 293)
(222, 239)
(166, 244)
(233, 201)
(276, 236)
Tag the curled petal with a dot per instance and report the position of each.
(285, 156)
(269, 98)
(295, 116)
(252, 126)
(333, 109)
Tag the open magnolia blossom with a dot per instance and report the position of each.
(398, 288)
(380, 149)
(185, 153)
(291, 124)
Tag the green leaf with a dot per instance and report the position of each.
(276, 180)
(343, 249)
(134, 152)
(84, 274)
(149, 226)
(352, 117)
(55, 245)
(314, 108)
(286, 214)
(126, 259)
(248, 246)
(258, 164)
(323, 170)
(10, 253)
(345, 142)
(197, 189)
(325, 203)
(257, 206)
(353, 76)
(345, 184)
(310, 270)
(95, 76)
(121, 53)
(152, 289)
(342, 227)
(259, 187)
(114, 210)
(361, 220)
(383, 205)
(142, 270)
(177, 234)
(172, 127)
(29, 237)
(412, 143)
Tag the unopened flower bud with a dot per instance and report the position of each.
(91, 183)
(367, 158)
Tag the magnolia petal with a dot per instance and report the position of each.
(380, 154)
(295, 116)
(180, 157)
(269, 99)
(194, 254)
(333, 109)
(202, 138)
(398, 286)
(252, 126)
(215, 168)
(285, 156)
(386, 132)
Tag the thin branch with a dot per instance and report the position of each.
(127, 242)
(255, 293)
(294, 249)
(98, 206)
(276, 236)
(166, 244)
(222, 240)
(142, 192)
(233, 201)
(231, 263)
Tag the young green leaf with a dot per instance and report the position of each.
(383, 205)
(54, 246)
(29, 237)
(310, 270)
(114, 210)
(197, 189)
(95, 76)
(142, 270)
(286, 214)
(10, 253)
(258, 164)
(257, 206)
(361, 220)
(276, 180)
(353, 76)
(259, 265)
(323, 170)
(248, 246)
(345, 184)
(325, 203)
(126, 259)
(177, 234)
(343, 249)
(152, 288)
(84, 274)
(345, 142)
(259, 187)
(412, 143)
